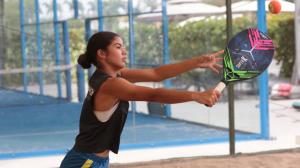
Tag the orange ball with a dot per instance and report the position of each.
(274, 6)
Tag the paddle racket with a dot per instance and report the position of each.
(247, 55)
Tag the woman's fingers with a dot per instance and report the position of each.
(218, 67)
(214, 98)
(219, 59)
(217, 53)
(209, 97)
(216, 70)
(218, 94)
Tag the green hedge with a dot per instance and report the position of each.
(281, 29)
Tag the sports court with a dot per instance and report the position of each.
(43, 125)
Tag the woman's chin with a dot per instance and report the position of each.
(121, 66)
(124, 65)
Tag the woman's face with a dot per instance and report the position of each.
(116, 54)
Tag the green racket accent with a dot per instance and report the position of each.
(230, 74)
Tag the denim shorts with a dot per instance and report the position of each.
(74, 159)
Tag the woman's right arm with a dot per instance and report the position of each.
(124, 90)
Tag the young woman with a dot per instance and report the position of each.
(111, 86)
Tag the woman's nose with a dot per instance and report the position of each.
(124, 51)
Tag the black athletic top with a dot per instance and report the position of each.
(96, 136)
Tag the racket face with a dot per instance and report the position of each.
(247, 55)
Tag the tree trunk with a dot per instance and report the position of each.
(2, 37)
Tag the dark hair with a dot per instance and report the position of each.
(100, 40)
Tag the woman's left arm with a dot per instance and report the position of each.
(168, 71)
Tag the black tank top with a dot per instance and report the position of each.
(96, 136)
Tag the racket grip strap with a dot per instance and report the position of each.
(220, 87)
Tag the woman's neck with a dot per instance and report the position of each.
(109, 71)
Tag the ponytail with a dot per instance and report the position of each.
(84, 61)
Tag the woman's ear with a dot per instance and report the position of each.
(100, 57)
(100, 53)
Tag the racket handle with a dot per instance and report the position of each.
(220, 87)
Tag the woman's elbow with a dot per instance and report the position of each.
(157, 76)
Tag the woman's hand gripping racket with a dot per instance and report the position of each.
(247, 55)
